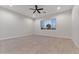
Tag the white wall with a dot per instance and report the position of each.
(14, 25)
(63, 26)
(75, 24)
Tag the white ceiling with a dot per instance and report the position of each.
(49, 9)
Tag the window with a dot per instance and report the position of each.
(48, 24)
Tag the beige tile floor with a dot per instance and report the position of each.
(38, 45)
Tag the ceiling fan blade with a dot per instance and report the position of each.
(40, 9)
(34, 11)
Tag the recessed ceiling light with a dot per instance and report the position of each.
(10, 5)
(58, 8)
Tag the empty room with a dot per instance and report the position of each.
(39, 29)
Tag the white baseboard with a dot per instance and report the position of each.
(54, 36)
(35, 34)
(15, 36)
(75, 42)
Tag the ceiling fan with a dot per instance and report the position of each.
(36, 9)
